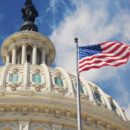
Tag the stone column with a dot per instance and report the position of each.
(34, 55)
(7, 59)
(26, 75)
(43, 57)
(14, 56)
(23, 54)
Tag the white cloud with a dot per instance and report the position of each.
(127, 111)
(90, 26)
(54, 4)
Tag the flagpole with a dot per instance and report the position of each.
(79, 119)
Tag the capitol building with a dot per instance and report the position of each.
(35, 96)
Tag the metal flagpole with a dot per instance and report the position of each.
(79, 120)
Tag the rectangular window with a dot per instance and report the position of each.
(97, 96)
(81, 89)
(36, 78)
(113, 107)
(14, 78)
(58, 82)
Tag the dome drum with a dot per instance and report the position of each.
(31, 47)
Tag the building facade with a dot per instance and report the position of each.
(35, 96)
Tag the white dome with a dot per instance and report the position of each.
(41, 79)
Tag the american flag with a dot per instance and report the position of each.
(103, 54)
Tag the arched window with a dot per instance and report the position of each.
(36, 78)
(14, 78)
(113, 107)
(58, 82)
(97, 96)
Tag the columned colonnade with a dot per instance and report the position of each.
(24, 55)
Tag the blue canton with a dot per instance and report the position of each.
(90, 50)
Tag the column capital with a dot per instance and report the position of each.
(24, 38)
(36, 39)
(43, 51)
(34, 46)
(12, 41)
(14, 47)
(6, 52)
(24, 43)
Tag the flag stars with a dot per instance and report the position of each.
(89, 50)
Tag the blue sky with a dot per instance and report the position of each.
(92, 21)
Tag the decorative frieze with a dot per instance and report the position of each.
(2, 109)
(35, 110)
(1, 91)
(14, 70)
(89, 119)
(108, 126)
(57, 112)
(68, 114)
(13, 109)
(60, 90)
(37, 87)
(47, 110)
(99, 123)
(24, 110)
(13, 87)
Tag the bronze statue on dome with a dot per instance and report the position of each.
(29, 11)
(29, 16)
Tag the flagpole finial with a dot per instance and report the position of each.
(76, 40)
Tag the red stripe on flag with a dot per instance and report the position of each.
(117, 46)
(98, 67)
(100, 61)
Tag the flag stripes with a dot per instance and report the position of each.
(112, 54)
